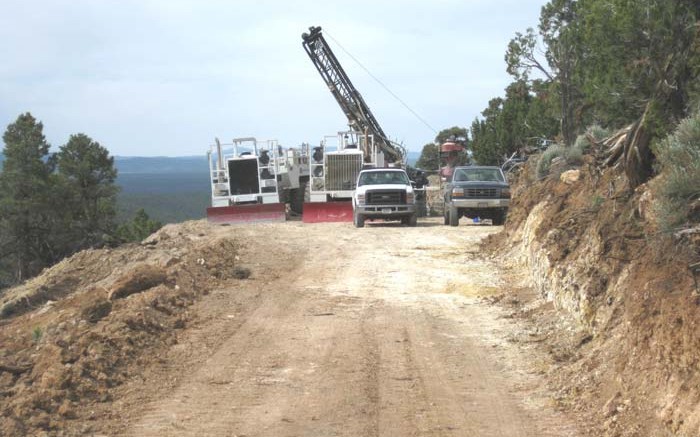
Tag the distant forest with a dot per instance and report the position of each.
(170, 190)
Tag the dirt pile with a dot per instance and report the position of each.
(623, 327)
(72, 335)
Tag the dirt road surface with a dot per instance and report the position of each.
(381, 331)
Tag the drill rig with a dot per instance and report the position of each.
(253, 180)
(334, 170)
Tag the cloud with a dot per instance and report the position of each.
(164, 77)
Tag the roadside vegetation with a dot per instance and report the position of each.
(679, 162)
(573, 71)
(53, 205)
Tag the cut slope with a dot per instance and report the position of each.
(593, 248)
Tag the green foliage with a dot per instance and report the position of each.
(572, 156)
(545, 161)
(25, 215)
(597, 132)
(174, 207)
(51, 206)
(86, 177)
(37, 333)
(518, 121)
(454, 133)
(613, 60)
(522, 57)
(140, 227)
(429, 157)
(597, 202)
(679, 189)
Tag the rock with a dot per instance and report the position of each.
(139, 279)
(570, 176)
(645, 208)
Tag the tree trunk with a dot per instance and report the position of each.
(638, 157)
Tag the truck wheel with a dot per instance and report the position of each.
(413, 220)
(499, 218)
(296, 201)
(446, 216)
(454, 216)
(358, 220)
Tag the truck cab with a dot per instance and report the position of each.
(384, 193)
(476, 192)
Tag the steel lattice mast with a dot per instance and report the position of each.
(360, 117)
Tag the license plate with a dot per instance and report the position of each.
(483, 205)
(386, 210)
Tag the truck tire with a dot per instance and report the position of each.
(454, 216)
(446, 216)
(358, 220)
(413, 220)
(499, 218)
(297, 198)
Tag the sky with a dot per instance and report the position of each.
(165, 77)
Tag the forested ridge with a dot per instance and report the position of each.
(606, 63)
(55, 204)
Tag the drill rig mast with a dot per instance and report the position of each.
(360, 117)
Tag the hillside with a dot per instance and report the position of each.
(618, 308)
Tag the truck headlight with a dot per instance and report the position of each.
(360, 199)
(410, 197)
(505, 193)
(458, 192)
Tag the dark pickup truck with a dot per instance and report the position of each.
(477, 191)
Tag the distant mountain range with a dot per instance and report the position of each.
(161, 164)
(180, 164)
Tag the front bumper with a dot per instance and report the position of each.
(386, 210)
(480, 203)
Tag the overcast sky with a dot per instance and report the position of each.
(164, 77)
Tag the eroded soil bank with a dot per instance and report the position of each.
(620, 305)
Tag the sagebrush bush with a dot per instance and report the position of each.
(598, 132)
(572, 155)
(582, 143)
(545, 161)
(679, 159)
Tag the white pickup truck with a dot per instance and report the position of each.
(384, 193)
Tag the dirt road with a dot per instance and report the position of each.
(348, 332)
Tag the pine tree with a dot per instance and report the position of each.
(86, 176)
(24, 194)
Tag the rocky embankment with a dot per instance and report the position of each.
(625, 294)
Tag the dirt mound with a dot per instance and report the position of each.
(625, 343)
(87, 324)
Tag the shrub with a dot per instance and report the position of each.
(679, 186)
(140, 227)
(598, 132)
(37, 333)
(545, 161)
(572, 155)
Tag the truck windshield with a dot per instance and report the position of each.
(478, 175)
(383, 177)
